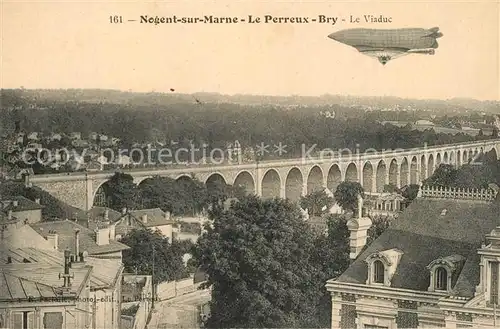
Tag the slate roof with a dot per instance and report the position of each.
(66, 234)
(424, 235)
(133, 220)
(24, 281)
(156, 217)
(97, 214)
(105, 272)
(23, 204)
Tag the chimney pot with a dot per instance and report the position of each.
(52, 237)
(37, 200)
(15, 203)
(77, 242)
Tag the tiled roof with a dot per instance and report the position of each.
(104, 273)
(155, 217)
(66, 233)
(24, 281)
(23, 204)
(97, 214)
(425, 233)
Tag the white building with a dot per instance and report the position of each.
(431, 267)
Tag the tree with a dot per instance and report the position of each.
(258, 255)
(379, 225)
(411, 191)
(332, 257)
(391, 188)
(347, 193)
(150, 248)
(166, 194)
(444, 175)
(121, 192)
(317, 203)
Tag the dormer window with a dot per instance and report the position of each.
(382, 266)
(378, 271)
(441, 272)
(441, 279)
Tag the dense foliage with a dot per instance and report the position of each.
(260, 257)
(152, 117)
(182, 197)
(267, 266)
(347, 194)
(379, 225)
(151, 250)
(484, 171)
(317, 203)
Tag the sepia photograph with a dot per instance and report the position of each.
(190, 164)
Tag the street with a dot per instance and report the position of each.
(179, 312)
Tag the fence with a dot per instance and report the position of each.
(167, 290)
(458, 193)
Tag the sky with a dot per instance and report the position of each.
(73, 45)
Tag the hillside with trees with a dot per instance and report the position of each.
(214, 120)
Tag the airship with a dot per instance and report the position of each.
(388, 44)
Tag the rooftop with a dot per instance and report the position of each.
(155, 217)
(105, 272)
(26, 281)
(66, 232)
(424, 233)
(19, 203)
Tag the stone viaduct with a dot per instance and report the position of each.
(290, 178)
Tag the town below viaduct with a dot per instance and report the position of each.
(286, 178)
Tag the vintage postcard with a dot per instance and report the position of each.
(249, 164)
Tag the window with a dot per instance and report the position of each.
(23, 320)
(378, 271)
(53, 320)
(441, 279)
(494, 283)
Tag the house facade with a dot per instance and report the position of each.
(45, 296)
(104, 284)
(22, 209)
(436, 265)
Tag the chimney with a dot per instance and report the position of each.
(167, 215)
(53, 239)
(358, 227)
(15, 203)
(9, 215)
(9, 260)
(66, 276)
(106, 215)
(124, 211)
(37, 200)
(112, 233)
(145, 218)
(102, 236)
(77, 244)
